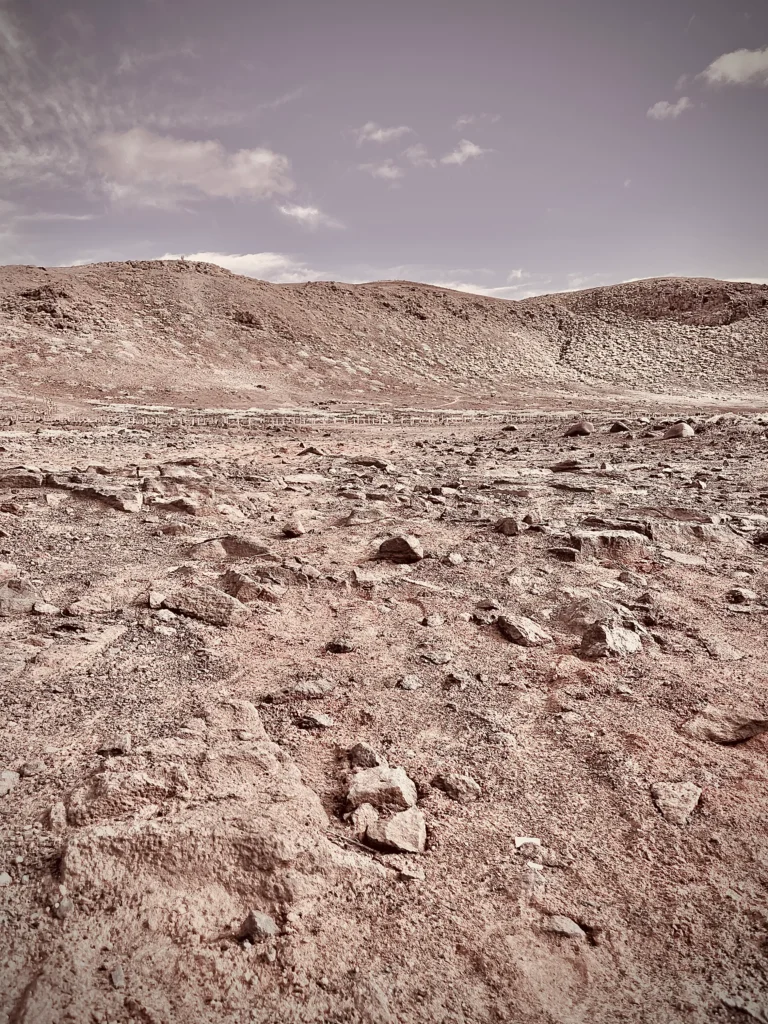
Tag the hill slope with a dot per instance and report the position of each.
(179, 332)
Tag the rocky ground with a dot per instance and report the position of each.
(385, 725)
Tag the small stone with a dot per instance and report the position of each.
(315, 720)
(563, 554)
(580, 429)
(30, 768)
(294, 528)
(461, 788)
(410, 683)
(8, 781)
(434, 620)
(453, 558)
(155, 599)
(437, 657)
(342, 645)
(57, 817)
(565, 926)
(678, 430)
(258, 925)
(507, 526)
(523, 631)
(117, 977)
(740, 595)
(117, 745)
(65, 908)
(401, 549)
(602, 641)
(362, 755)
(382, 787)
(44, 608)
(405, 832)
(5, 879)
(676, 800)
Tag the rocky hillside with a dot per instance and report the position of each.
(182, 332)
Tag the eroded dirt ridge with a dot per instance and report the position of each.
(384, 725)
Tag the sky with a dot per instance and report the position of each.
(504, 147)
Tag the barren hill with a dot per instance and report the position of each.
(179, 332)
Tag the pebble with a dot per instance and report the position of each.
(258, 925)
(5, 878)
(410, 683)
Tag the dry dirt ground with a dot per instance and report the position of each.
(253, 777)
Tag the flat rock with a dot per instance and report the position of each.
(603, 641)
(208, 604)
(561, 925)
(382, 787)
(726, 727)
(405, 832)
(523, 631)
(580, 429)
(676, 800)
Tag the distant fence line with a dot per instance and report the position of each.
(250, 421)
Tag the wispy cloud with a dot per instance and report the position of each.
(665, 111)
(465, 150)
(386, 170)
(467, 119)
(741, 67)
(142, 168)
(281, 101)
(373, 132)
(308, 216)
(267, 266)
(135, 60)
(418, 156)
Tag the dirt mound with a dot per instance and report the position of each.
(168, 331)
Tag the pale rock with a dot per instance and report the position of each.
(676, 800)
(523, 631)
(678, 430)
(382, 787)
(725, 727)
(8, 782)
(258, 925)
(405, 832)
(200, 601)
(461, 788)
(566, 926)
(602, 641)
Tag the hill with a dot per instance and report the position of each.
(179, 332)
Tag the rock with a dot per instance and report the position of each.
(434, 620)
(31, 768)
(436, 657)
(43, 608)
(258, 925)
(294, 528)
(21, 476)
(120, 745)
(405, 832)
(601, 641)
(564, 554)
(117, 977)
(200, 601)
(566, 926)
(305, 479)
(247, 589)
(5, 879)
(57, 817)
(341, 645)
(676, 800)
(64, 909)
(8, 781)
(410, 683)
(580, 429)
(462, 788)
(507, 526)
(315, 720)
(619, 427)
(568, 466)
(17, 597)
(401, 549)
(725, 727)
(453, 558)
(523, 631)
(678, 430)
(240, 545)
(382, 787)
(682, 558)
(362, 818)
(740, 595)
(619, 546)
(362, 755)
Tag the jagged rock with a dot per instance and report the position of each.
(362, 755)
(401, 549)
(17, 597)
(619, 546)
(258, 925)
(726, 727)
(676, 800)
(601, 641)
(405, 832)
(461, 788)
(523, 631)
(246, 589)
(294, 528)
(382, 787)
(580, 429)
(507, 526)
(678, 430)
(200, 601)
(315, 720)
(21, 476)
(619, 427)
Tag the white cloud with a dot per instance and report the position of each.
(741, 67)
(516, 275)
(418, 156)
(280, 101)
(466, 119)
(267, 266)
(465, 150)
(373, 132)
(145, 169)
(663, 111)
(627, 182)
(309, 216)
(388, 170)
(134, 60)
